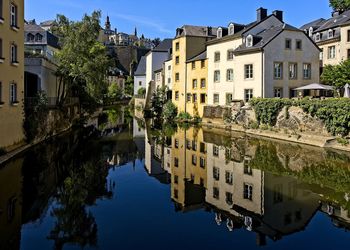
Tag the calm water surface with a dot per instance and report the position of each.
(129, 185)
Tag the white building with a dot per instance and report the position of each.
(267, 58)
(140, 76)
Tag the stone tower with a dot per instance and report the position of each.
(107, 24)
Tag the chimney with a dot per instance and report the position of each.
(261, 14)
(278, 14)
(209, 31)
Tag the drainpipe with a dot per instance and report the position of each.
(262, 74)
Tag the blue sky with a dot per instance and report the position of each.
(161, 18)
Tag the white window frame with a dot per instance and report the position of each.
(13, 15)
(330, 34)
(307, 71)
(248, 71)
(278, 70)
(249, 41)
(278, 92)
(217, 76)
(214, 98)
(248, 94)
(13, 92)
(293, 71)
(229, 75)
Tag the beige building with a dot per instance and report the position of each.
(267, 58)
(332, 36)
(11, 72)
(190, 41)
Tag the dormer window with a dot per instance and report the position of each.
(311, 31)
(38, 37)
(231, 29)
(330, 34)
(318, 37)
(219, 34)
(249, 41)
(30, 37)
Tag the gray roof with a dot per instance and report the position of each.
(141, 68)
(201, 31)
(314, 24)
(164, 46)
(48, 37)
(261, 39)
(335, 21)
(31, 27)
(47, 23)
(201, 56)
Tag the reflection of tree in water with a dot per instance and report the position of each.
(86, 182)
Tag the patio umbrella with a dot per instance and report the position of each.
(347, 91)
(315, 86)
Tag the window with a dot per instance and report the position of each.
(13, 15)
(30, 37)
(176, 193)
(229, 177)
(230, 55)
(217, 76)
(318, 37)
(194, 160)
(247, 170)
(219, 34)
(288, 44)
(177, 77)
(217, 57)
(13, 92)
(194, 145)
(194, 98)
(188, 97)
(278, 92)
(248, 192)
(202, 162)
(307, 71)
(229, 75)
(215, 151)
(231, 29)
(228, 99)
(193, 65)
(203, 84)
(248, 94)
(278, 193)
(176, 95)
(216, 98)
(14, 53)
(176, 143)
(176, 162)
(249, 41)
(1, 14)
(177, 60)
(348, 35)
(202, 98)
(188, 144)
(169, 67)
(201, 182)
(278, 70)
(1, 102)
(202, 147)
(299, 45)
(140, 83)
(293, 71)
(330, 34)
(248, 71)
(202, 64)
(331, 52)
(176, 179)
(38, 37)
(216, 193)
(169, 80)
(177, 46)
(194, 83)
(229, 198)
(216, 173)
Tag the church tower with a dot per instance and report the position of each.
(107, 24)
(135, 33)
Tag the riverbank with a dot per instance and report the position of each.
(300, 137)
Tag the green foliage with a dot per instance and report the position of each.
(158, 100)
(184, 116)
(169, 111)
(141, 91)
(335, 113)
(82, 61)
(129, 86)
(115, 93)
(35, 112)
(337, 75)
(340, 5)
(343, 141)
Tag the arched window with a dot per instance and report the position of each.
(231, 29)
(249, 41)
(219, 35)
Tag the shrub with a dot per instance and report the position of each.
(184, 116)
(169, 111)
(343, 141)
(141, 91)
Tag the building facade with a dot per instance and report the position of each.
(140, 76)
(267, 58)
(11, 72)
(332, 36)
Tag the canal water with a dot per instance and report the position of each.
(126, 184)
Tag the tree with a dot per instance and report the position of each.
(115, 93)
(340, 5)
(129, 86)
(82, 62)
(156, 41)
(158, 100)
(337, 75)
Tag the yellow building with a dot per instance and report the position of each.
(11, 72)
(188, 169)
(190, 41)
(196, 90)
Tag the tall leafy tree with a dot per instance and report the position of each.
(340, 5)
(337, 75)
(83, 61)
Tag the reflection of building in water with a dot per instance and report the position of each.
(267, 204)
(138, 129)
(11, 205)
(188, 169)
(154, 159)
(340, 217)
